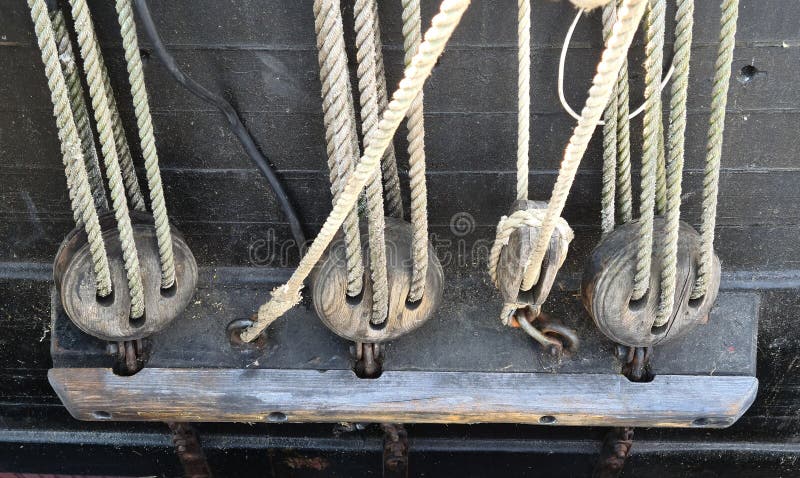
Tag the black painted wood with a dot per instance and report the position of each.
(266, 67)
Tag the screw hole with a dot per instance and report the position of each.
(101, 415)
(145, 54)
(277, 417)
(547, 420)
(748, 74)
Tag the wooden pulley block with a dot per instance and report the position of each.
(515, 255)
(108, 318)
(349, 317)
(608, 284)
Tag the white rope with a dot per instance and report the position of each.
(365, 27)
(561, 66)
(287, 295)
(523, 95)
(719, 101)
(412, 37)
(341, 137)
(508, 224)
(629, 16)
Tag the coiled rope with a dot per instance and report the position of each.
(719, 101)
(628, 18)
(83, 205)
(436, 37)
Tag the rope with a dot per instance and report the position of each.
(131, 181)
(79, 110)
(412, 37)
(684, 18)
(340, 137)
(365, 23)
(144, 121)
(391, 179)
(719, 100)
(624, 194)
(654, 50)
(523, 95)
(287, 295)
(562, 61)
(608, 192)
(83, 204)
(90, 51)
(532, 218)
(602, 87)
(590, 4)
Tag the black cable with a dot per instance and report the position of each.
(230, 114)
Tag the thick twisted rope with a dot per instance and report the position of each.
(287, 295)
(523, 95)
(391, 178)
(684, 23)
(623, 187)
(365, 24)
(603, 84)
(79, 110)
(661, 171)
(412, 37)
(508, 224)
(719, 101)
(608, 191)
(129, 178)
(144, 121)
(340, 134)
(83, 204)
(90, 51)
(654, 50)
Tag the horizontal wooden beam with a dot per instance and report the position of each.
(271, 395)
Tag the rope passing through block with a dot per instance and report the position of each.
(442, 26)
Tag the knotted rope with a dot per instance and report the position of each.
(443, 25)
(508, 224)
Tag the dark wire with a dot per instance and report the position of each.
(230, 114)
